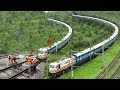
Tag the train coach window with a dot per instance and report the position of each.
(58, 66)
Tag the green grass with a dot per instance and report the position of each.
(31, 30)
(92, 68)
(95, 66)
(83, 30)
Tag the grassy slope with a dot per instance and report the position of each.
(83, 30)
(95, 66)
(27, 30)
(92, 68)
(80, 35)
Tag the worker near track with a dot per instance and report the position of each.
(29, 60)
(12, 60)
(33, 63)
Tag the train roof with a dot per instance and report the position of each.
(95, 46)
(61, 60)
(64, 38)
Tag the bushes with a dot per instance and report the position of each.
(32, 30)
(25, 30)
(84, 30)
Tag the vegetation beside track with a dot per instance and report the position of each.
(26, 30)
(91, 69)
(23, 31)
(109, 74)
(83, 32)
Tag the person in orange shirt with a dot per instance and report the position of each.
(35, 61)
(30, 69)
(33, 64)
(29, 61)
(10, 59)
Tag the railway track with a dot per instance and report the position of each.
(2, 56)
(19, 72)
(103, 73)
(4, 71)
(14, 76)
(116, 73)
(52, 48)
(23, 75)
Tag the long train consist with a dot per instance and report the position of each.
(56, 68)
(44, 51)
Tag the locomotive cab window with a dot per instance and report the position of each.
(41, 52)
(52, 66)
(58, 66)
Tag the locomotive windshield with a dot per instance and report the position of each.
(42, 52)
(51, 66)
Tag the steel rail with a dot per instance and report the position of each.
(18, 74)
(103, 73)
(12, 66)
(115, 73)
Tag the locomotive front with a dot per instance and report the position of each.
(43, 53)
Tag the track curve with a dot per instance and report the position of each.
(59, 44)
(114, 35)
(81, 57)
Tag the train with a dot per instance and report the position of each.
(44, 52)
(56, 68)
